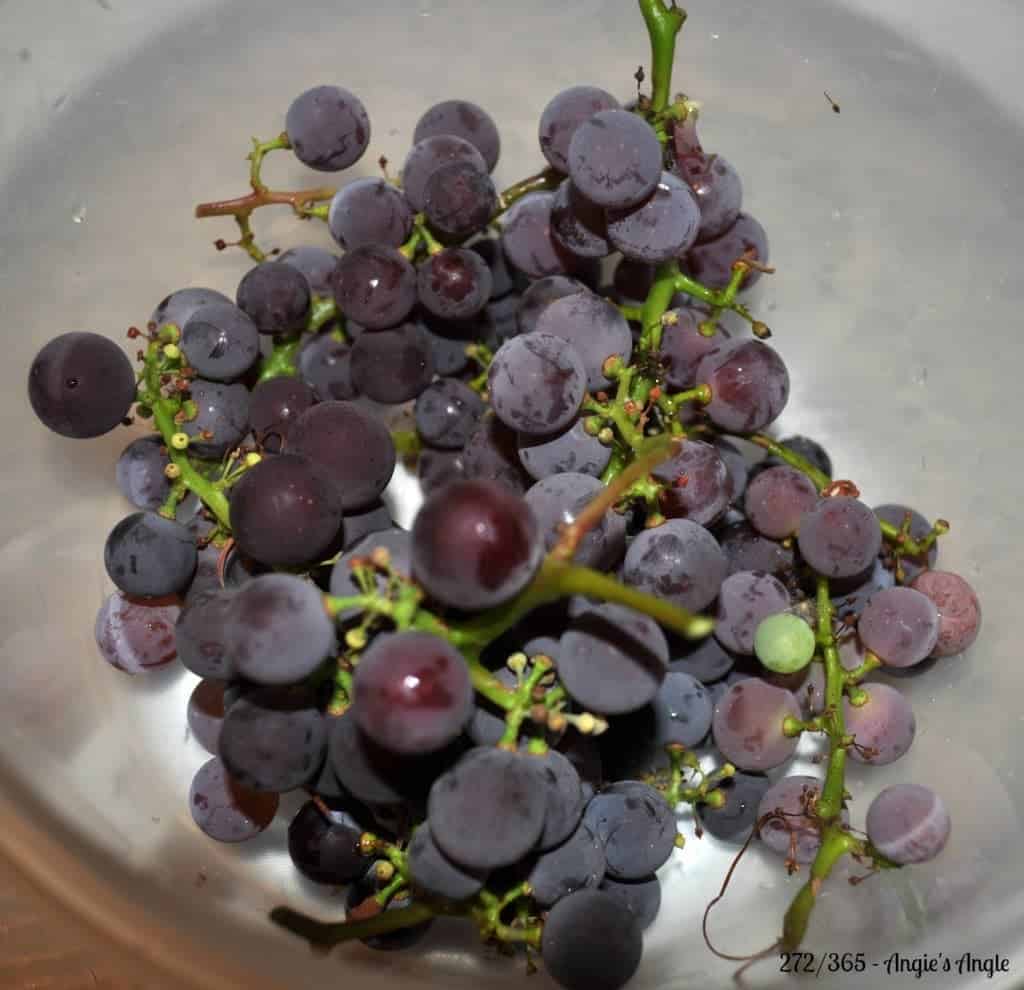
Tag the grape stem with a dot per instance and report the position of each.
(664, 22)
(547, 180)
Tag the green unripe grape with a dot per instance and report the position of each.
(784, 643)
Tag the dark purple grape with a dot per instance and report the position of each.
(200, 637)
(222, 419)
(352, 446)
(427, 156)
(919, 529)
(958, 607)
(206, 713)
(140, 472)
(615, 159)
(683, 347)
(661, 227)
(564, 114)
(375, 286)
(492, 454)
(747, 550)
(734, 820)
(436, 468)
(412, 692)
(537, 383)
(274, 407)
(746, 598)
(226, 810)
(696, 483)
(573, 450)
(275, 296)
(900, 626)
(454, 284)
(809, 450)
(715, 183)
(459, 200)
(636, 826)
(392, 366)
(136, 636)
(528, 241)
(324, 364)
(748, 725)
(792, 831)
(499, 321)
(475, 544)
(436, 875)
(706, 660)
(149, 556)
(777, 499)
(81, 385)
(370, 211)
(316, 264)
(564, 794)
(465, 120)
(328, 128)
(220, 342)
(578, 225)
(179, 306)
(749, 385)
(540, 294)
(285, 511)
(641, 897)
(447, 412)
(448, 353)
(576, 864)
(736, 465)
(711, 263)
(883, 728)
(839, 537)
(908, 823)
(503, 279)
(325, 846)
(632, 282)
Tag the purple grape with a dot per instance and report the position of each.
(706, 661)
(636, 826)
(615, 159)
(436, 468)
(148, 556)
(454, 284)
(747, 550)
(465, 120)
(632, 282)
(179, 306)
(641, 897)
(749, 385)
(839, 537)
(220, 342)
(883, 728)
(660, 228)
(206, 714)
(448, 353)
(222, 419)
(274, 406)
(541, 294)
(573, 450)
(224, 809)
(791, 832)
(919, 529)
(140, 472)
(745, 599)
(683, 347)
(325, 365)
(427, 156)
(576, 864)
(325, 846)
(81, 385)
(375, 286)
(370, 211)
(809, 450)
(200, 637)
(392, 366)
(900, 626)
(393, 941)
(578, 225)
(908, 823)
(459, 199)
(492, 454)
(137, 636)
(733, 821)
(958, 607)
(715, 183)
(777, 499)
(447, 412)
(736, 465)
(499, 322)
(275, 296)
(436, 875)
(528, 241)
(711, 263)
(748, 725)
(696, 483)
(317, 264)
(564, 114)
(328, 128)
(503, 279)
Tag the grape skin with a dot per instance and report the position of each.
(919, 529)
(900, 626)
(541, 293)
(275, 296)
(140, 472)
(958, 607)
(436, 875)
(137, 636)
(563, 115)
(448, 353)
(492, 454)
(636, 826)
(747, 550)
(749, 385)
(748, 721)
(536, 383)
(884, 725)
(223, 412)
(149, 556)
(777, 499)
(206, 713)
(392, 366)
(325, 365)
(660, 228)
(224, 809)
(430, 154)
(743, 794)
(839, 537)
(316, 264)
(220, 342)
(697, 484)
(706, 660)
(447, 412)
(454, 284)
(325, 848)
(683, 347)
(563, 791)
(200, 638)
(459, 200)
(369, 211)
(436, 468)
(796, 834)
(572, 450)
(578, 863)
(578, 225)
(465, 120)
(711, 261)
(328, 128)
(641, 897)
(908, 823)
(746, 598)
(273, 408)
(375, 286)
(179, 306)
(527, 239)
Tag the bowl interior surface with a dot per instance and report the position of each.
(893, 226)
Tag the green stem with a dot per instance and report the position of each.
(407, 442)
(634, 314)
(663, 25)
(793, 459)
(324, 310)
(546, 180)
(322, 935)
(260, 149)
(523, 697)
(659, 299)
(835, 843)
(871, 663)
(281, 361)
(830, 802)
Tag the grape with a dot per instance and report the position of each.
(436, 875)
(392, 366)
(541, 293)
(179, 306)
(839, 537)
(900, 626)
(200, 638)
(594, 327)
(747, 550)
(487, 725)
(370, 211)
(559, 499)
(884, 726)
(537, 383)
(526, 235)
(958, 607)
(503, 279)
(222, 419)
(682, 711)
(564, 794)
(275, 296)
(636, 826)
(749, 385)
(375, 286)
(273, 408)
(711, 262)
(465, 120)
(564, 114)
(224, 809)
(851, 595)
(81, 385)
(436, 468)
(715, 183)
(706, 660)
(324, 363)
(615, 159)
(641, 897)
(315, 263)
(632, 282)
(736, 465)
(412, 692)
(488, 810)
(679, 561)
(919, 529)
(220, 342)
(149, 556)
(578, 225)
(733, 821)
(697, 484)
(136, 636)
(328, 128)
(576, 864)
(572, 450)
(140, 472)
(744, 600)
(459, 199)
(400, 938)
(277, 630)
(809, 450)
(661, 227)
(492, 454)
(352, 446)
(908, 823)
(683, 347)
(499, 322)
(454, 284)
(364, 522)
(284, 511)
(427, 156)
(748, 725)
(794, 833)
(475, 544)
(612, 659)
(591, 941)
(206, 713)
(777, 499)
(447, 353)
(325, 847)
(447, 412)
(784, 643)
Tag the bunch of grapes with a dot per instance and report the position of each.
(496, 713)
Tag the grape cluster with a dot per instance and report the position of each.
(498, 709)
